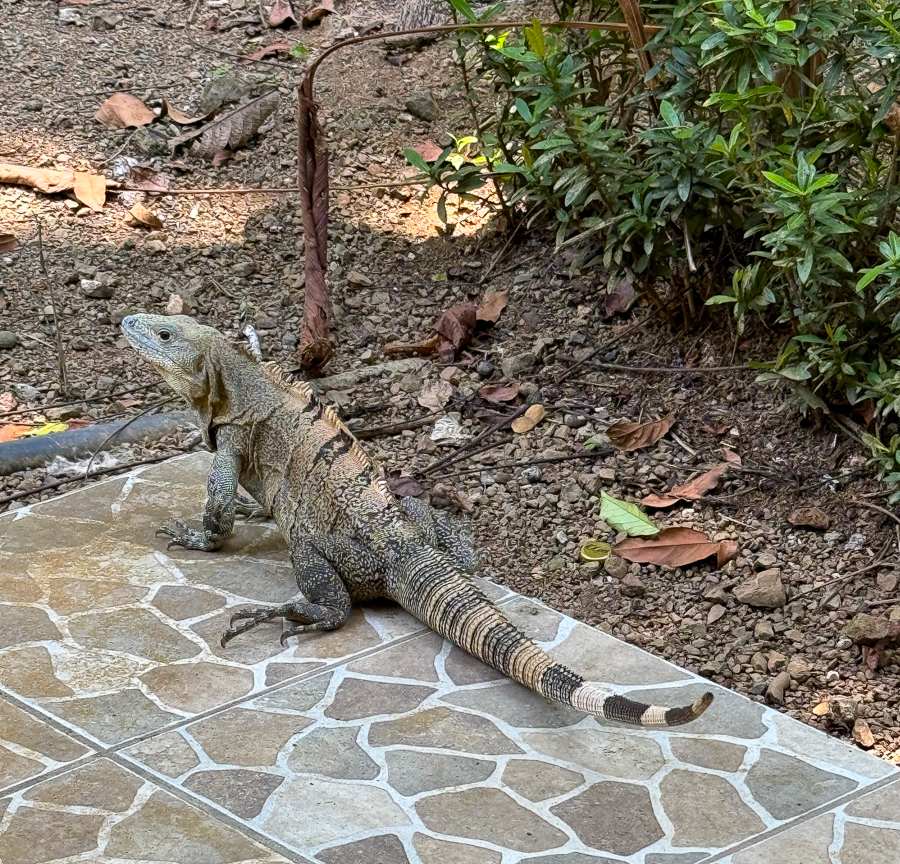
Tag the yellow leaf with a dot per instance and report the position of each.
(47, 428)
(90, 190)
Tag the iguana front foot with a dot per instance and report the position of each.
(188, 538)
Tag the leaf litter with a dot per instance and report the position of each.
(122, 111)
(675, 547)
(634, 436)
(692, 491)
(89, 189)
(627, 517)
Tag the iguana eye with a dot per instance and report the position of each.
(165, 336)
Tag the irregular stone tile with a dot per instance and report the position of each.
(238, 790)
(278, 672)
(538, 781)
(612, 817)
(308, 811)
(865, 844)
(180, 602)
(195, 687)
(434, 851)
(536, 621)
(14, 768)
(492, 590)
(132, 631)
(149, 505)
(384, 849)
(167, 753)
(191, 470)
(787, 787)
(48, 535)
(68, 596)
(29, 672)
(883, 804)
(246, 737)
(20, 624)
(93, 502)
(443, 728)
(333, 753)
(261, 539)
(356, 698)
(248, 648)
(517, 706)
(99, 784)
(302, 696)
(464, 669)
(843, 758)
(674, 858)
(91, 670)
(708, 753)
(730, 713)
(600, 657)
(113, 717)
(706, 810)
(411, 772)
(490, 815)
(17, 586)
(414, 660)
(267, 583)
(606, 751)
(806, 843)
(391, 620)
(167, 829)
(571, 858)
(356, 635)
(34, 836)
(19, 727)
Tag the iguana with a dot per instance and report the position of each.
(349, 538)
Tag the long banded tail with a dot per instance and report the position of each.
(431, 588)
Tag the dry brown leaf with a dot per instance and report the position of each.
(456, 495)
(435, 395)
(727, 550)
(404, 485)
(497, 393)
(182, 119)
(145, 216)
(122, 110)
(317, 13)
(43, 179)
(698, 487)
(620, 299)
(231, 130)
(274, 48)
(423, 346)
(810, 517)
(493, 306)
(8, 242)
(455, 327)
(529, 419)
(144, 177)
(281, 13)
(676, 547)
(634, 436)
(731, 456)
(90, 190)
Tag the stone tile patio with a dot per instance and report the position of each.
(127, 733)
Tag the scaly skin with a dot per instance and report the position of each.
(349, 538)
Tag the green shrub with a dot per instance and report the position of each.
(750, 170)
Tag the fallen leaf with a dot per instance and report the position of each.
(731, 456)
(7, 402)
(90, 190)
(692, 491)
(456, 496)
(497, 393)
(721, 429)
(492, 307)
(230, 130)
(144, 177)
(11, 431)
(182, 119)
(435, 395)
(281, 12)
(317, 13)
(727, 550)
(455, 326)
(8, 242)
(620, 299)
(122, 110)
(810, 517)
(145, 216)
(675, 547)
(403, 485)
(43, 179)
(529, 419)
(47, 429)
(274, 48)
(625, 516)
(423, 346)
(634, 436)
(429, 151)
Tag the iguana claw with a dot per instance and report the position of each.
(183, 535)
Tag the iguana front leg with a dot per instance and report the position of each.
(324, 603)
(218, 518)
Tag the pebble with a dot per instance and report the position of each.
(631, 586)
(714, 614)
(616, 567)
(514, 366)
(485, 369)
(96, 289)
(8, 339)
(765, 590)
(154, 247)
(422, 104)
(532, 473)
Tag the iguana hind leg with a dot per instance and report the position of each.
(248, 508)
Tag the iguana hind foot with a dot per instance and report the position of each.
(248, 508)
(310, 616)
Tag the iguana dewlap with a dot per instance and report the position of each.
(349, 538)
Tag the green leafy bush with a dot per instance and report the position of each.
(751, 169)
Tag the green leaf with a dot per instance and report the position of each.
(464, 9)
(783, 183)
(415, 160)
(524, 110)
(669, 114)
(785, 26)
(720, 298)
(870, 275)
(442, 208)
(623, 516)
(534, 35)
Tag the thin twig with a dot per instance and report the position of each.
(393, 428)
(616, 337)
(870, 506)
(844, 577)
(241, 57)
(671, 370)
(43, 408)
(61, 353)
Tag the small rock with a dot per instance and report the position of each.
(119, 314)
(556, 563)
(632, 586)
(79, 344)
(8, 339)
(616, 567)
(359, 280)
(69, 16)
(532, 473)
(96, 290)
(710, 668)
(265, 322)
(63, 414)
(810, 517)
(178, 306)
(714, 614)
(763, 590)
(799, 669)
(716, 594)
(591, 483)
(763, 631)
(244, 270)
(794, 635)
(777, 686)
(575, 421)
(765, 561)
(886, 582)
(855, 543)
(570, 493)
(608, 475)
(512, 367)
(153, 247)
(862, 734)
(562, 538)
(423, 105)
(758, 662)
(775, 661)
(149, 142)
(485, 369)
(865, 629)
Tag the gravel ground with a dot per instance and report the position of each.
(239, 259)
